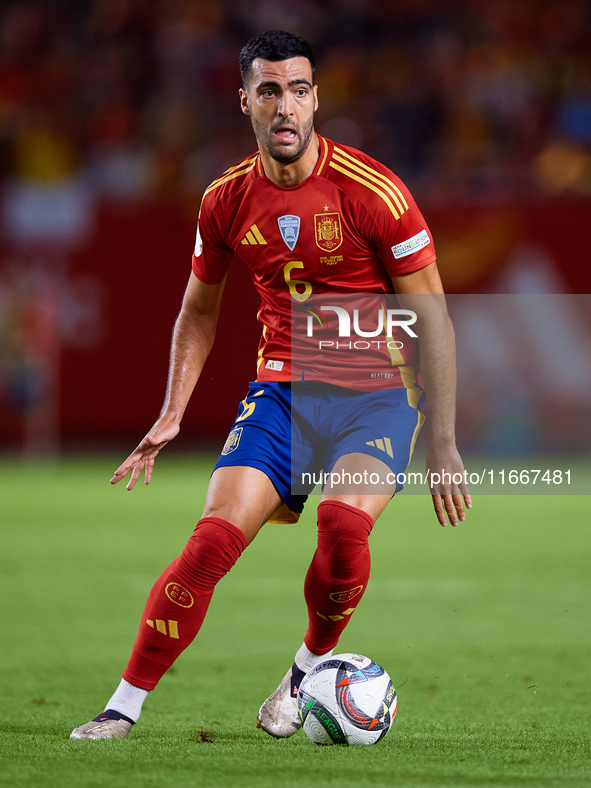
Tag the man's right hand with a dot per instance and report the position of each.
(142, 458)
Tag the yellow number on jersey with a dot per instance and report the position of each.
(248, 409)
(293, 283)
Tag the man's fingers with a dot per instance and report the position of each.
(452, 507)
(120, 473)
(458, 505)
(439, 510)
(126, 466)
(135, 474)
(145, 453)
(149, 469)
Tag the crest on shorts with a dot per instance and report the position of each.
(328, 231)
(289, 227)
(232, 441)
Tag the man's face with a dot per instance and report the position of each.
(281, 101)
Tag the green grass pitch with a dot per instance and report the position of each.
(483, 628)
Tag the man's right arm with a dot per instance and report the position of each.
(192, 340)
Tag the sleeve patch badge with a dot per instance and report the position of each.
(198, 243)
(413, 244)
(276, 365)
(289, 227)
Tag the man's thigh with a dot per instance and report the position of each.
(262, 438)
(242, 496)
(374, 488)
(372, 440)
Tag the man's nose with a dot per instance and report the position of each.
(285, 107)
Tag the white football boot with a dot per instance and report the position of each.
(102, 728)
(278, 715)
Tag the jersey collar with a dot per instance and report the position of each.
(326, 148)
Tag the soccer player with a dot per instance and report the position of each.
(309, 217)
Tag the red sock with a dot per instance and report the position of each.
(178, 602)
(338, 574)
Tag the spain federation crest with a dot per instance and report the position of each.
(232, 441)
(289, 227)
(328, 231)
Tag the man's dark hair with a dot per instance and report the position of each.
(273, 45)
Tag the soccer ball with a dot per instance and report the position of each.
(346, 699)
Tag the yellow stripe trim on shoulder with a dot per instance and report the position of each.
(232, 169)
(382, 178)
(369, 185)
(324, 143)
(226, 178)
(370, 175)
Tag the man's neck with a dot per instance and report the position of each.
(296, 172)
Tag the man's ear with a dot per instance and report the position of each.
(244, 101)
(315, 98)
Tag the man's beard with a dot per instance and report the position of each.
(277, 152)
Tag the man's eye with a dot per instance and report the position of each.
(268, 94)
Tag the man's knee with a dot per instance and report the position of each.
(211, 551)
(338, 519)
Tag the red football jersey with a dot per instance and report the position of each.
(349, 227)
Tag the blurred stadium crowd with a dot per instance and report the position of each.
(136, 99)
(115, 115)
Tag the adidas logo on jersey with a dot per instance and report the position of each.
(383, 444)
(253, 237)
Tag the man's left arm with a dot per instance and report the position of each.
(422, 292)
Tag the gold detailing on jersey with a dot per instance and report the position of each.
(260, 358)
(234, 172)
(173, 627)
(258, 235)
(323, 154)
(328, 231)
(407, 375)
(333, 259)
(374, 180)
(374, 174)
(369, 186)
(253, 237)
(384, 445)
(292, 283)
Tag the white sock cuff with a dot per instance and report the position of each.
(305, 659)
(127, 700)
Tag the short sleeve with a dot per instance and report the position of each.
(404, 242)
(211, 257)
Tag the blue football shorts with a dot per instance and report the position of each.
(292, 431)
